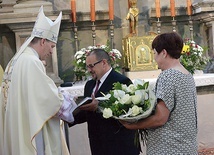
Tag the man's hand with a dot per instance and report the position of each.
(91, 106)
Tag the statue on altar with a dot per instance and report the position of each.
(132, 16)
(138, 55)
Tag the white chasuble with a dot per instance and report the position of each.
(32, 101)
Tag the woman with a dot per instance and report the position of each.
(172, 129)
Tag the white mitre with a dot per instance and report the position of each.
(44, 28)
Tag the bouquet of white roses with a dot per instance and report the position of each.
(129, 103)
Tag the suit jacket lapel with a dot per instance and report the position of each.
(106, 85)
(89, 88)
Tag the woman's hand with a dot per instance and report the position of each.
(128, 125)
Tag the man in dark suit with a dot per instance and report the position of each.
(106, 136)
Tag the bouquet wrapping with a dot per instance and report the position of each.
(129, 103)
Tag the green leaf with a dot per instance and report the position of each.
(145, 86)
(117, 86)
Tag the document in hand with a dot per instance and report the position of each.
(85, 101)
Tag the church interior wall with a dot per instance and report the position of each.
(147, 24)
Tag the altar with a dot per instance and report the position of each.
(204, 84)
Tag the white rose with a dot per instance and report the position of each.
(103, 46)
(126, 99)
(118, 93)
(200, 48)
(117, 53)
(79, 56)
(78, 53)
(82, 52)
(137, 99)
(124, 87)
(107, 113)
(91, 47)
(194, 49)
(79, 61)
(140, 92)
(138, 82)
(136, 110)
(131, 88)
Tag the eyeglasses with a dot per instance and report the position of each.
(92, 65)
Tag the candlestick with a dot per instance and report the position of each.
(73, 10)
(189, 7)
(93, 28)
(111, 9)
(92, 6)
(172, 7)
(157, 6)
(112, 33)
(191, 27)
(75, 36)
(173, 24)
(158, 26)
